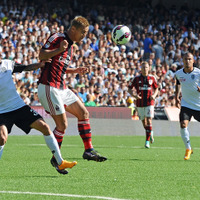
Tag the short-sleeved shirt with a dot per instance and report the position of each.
(189, 82)
(53, 73)
(145, 86)
(10, 99)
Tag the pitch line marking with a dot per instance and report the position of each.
(61, 195)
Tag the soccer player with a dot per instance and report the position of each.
(145, 89)
(13, 110)
(53, 94)
(187, 86)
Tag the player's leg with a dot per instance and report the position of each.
(61, 126)
(141, 113)
(52, 100)
(79, 110)
(185, 116)
(51, 142)
(3, 138)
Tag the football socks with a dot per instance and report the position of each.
(1, 150)
(85, 133)
(186, 137)
(53, 146)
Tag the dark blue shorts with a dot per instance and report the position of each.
(22, 118)
(187, 113)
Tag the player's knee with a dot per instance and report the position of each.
(3, 138)
(86, 114)
(183, 125)
(62, 126)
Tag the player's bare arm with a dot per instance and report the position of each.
(177, 95)
(155, 94)
(80, 70)
(46, 54)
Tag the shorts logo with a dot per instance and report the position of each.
(34, 112)
(57, 108)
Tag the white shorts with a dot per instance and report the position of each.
(147, 111)
(54, 100)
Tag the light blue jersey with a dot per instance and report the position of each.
(9, 98)
(189, 83)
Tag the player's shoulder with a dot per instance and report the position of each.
(54, 36)
(179, 71)
(196, 70)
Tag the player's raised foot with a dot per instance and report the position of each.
(93, 155)
(188, 153)
(66, 164)
(147, 144)
(151, 138)
(62, 168)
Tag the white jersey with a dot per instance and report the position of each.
(9, 98)
(189, 83)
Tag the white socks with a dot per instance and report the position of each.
(53, 146)
(1, 150)
(186, 137)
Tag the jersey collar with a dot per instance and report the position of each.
(68, 39)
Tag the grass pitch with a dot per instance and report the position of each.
(131, 171)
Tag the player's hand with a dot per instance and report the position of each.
(198, 88)
(152, 97)
(178, 103)
(138, 97)
(82, 70)
(63, 45)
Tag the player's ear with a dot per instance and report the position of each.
(73, 29)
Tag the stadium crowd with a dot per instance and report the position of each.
(26, 25)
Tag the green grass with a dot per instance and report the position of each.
(131, 172)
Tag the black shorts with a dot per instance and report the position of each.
(187, 113)
(22, 118)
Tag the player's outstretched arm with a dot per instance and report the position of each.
(20, 68)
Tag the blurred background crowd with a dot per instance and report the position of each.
(25, 26)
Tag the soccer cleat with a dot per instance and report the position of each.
(66, 164)
(188, 153)
(55, 164)
(151, 138)
(147, 145)
(93, 155)
(59, 167)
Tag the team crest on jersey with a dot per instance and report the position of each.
(192, 76)
(47, 45)
(150, 82)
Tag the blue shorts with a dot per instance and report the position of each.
(22, 118)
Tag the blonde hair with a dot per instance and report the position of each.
(80, 22)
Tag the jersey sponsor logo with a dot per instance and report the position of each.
(47, 45)
(182, 79)
(65, 60)
(145, 87)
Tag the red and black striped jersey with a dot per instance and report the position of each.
(53, 73)
(145, 86)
